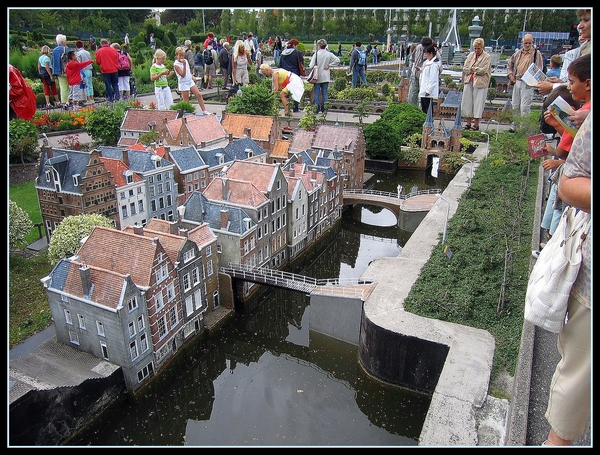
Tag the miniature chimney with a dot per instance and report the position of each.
(224, 219)
(86, 279)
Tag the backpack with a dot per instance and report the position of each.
(208, 57)
(63, 61)
(124, 61)
(362, 57)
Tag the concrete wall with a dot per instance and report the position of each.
(337, 317)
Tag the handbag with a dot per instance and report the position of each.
(313, 75)
(555, 271)
(300, 65)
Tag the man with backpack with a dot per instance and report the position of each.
(358, 64)
(210, 65)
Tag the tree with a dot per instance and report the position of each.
(66, 238)
(22, 140)
(104, 123)
(255, 99)
(20, 225)
(382, 142)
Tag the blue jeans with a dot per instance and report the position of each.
(320, 88)
(276, 55)
(359, 70)
(551, 215)
(111, 81)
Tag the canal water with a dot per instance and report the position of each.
(267, 380)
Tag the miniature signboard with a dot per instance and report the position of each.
(537, 145)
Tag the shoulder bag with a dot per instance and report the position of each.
(313, 75)
(555, 271)
(300, 65)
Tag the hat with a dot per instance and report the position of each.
(187, 42)
(293, 42)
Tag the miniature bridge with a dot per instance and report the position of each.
(345, 287)
(417, 201)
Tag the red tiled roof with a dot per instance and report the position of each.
(262, 173)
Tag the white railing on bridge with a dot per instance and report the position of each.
(293, 281)
(387, 194)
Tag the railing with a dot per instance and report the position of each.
(388, 194)
(295, 282)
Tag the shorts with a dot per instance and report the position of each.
(185, 86)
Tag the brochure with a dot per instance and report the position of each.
(561, 110)
(537, 145)
(533, 75)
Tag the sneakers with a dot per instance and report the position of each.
(535, 254)
(207, 113)
(542, 245)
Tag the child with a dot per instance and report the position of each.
(555, 64)
(580, 86)
(73, 71)
(185, 80)
(159, 74)
(429, 80)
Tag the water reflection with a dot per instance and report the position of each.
(267, 380)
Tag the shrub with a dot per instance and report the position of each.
(382, 142)
(255, 99)
(66, 238)
(185, 106)
(19, 225)
(22, 140)
(104, 123)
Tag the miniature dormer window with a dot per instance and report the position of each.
(220, 157)
(48, 176)
(249, 153)
(76, 179)
(129, 177)
(157, 161)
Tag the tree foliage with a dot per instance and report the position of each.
(66, 238)
(405, 118)
(382, 142)
(19, 225)
(255, 99)
(104, 123)
(22, 140)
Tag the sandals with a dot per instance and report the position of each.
(471, 128)
(475, 128)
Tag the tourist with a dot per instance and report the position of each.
(476, 74)
(519, 62)
(45, 73)
(108, 60)
(59, 64)
(185, 79)
(159, 74)
(290, 61)
(83, 55)
(323, 59)
(286, 83)
(429, 80)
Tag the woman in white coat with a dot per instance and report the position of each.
(323, 59)
(429, 81)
